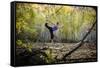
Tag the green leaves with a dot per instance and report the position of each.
(49, 58)
(30, 20)
(19, 42)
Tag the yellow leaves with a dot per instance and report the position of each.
(72, 17)
(35, 5)
(67, 9)
(89, 15)
(27, 16)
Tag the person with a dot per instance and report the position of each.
(52, 29)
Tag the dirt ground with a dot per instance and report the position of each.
(87, 52)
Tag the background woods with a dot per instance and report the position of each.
(76, 21)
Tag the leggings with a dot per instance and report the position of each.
(50, 30)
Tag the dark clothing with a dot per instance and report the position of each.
(54, 28)
(50, 29)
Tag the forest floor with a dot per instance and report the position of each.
(87, 52)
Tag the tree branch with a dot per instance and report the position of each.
(80, 44)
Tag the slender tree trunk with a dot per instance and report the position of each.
(80, 44)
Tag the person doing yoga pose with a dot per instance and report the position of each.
(52, 29)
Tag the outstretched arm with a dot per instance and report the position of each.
(61, 26)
